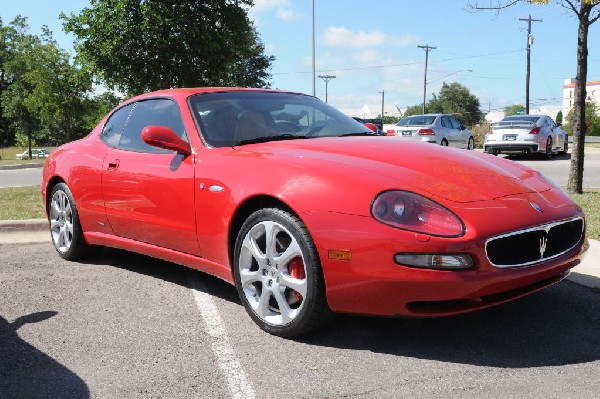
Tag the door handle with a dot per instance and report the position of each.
(113, 165)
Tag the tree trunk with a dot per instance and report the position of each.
(575, 184)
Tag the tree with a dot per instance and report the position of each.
(559, 118)
(516, 109)
(587, 13)
(592, 120)
(141, 45)
(454, 99)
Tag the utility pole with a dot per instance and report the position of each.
(426, 48)
(314, 81)
(529, 43)
(326, 78)
(382, 106)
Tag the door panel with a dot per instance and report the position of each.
(149, 197)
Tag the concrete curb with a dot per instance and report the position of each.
(22, 166)
(36, 230)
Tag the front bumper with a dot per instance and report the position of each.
(372, 283)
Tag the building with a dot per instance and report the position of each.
(592, 89)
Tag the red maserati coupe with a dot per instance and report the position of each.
(306, 211)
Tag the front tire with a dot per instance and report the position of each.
(278, 274)
(65, 228)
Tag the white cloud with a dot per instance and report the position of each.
(343, 37)
(286, 14)
(282, 9)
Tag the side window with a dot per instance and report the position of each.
(111, 134)
(156, 112)
(446, 122)
(455, 124)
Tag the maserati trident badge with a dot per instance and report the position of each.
(543, 242)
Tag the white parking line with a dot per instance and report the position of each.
(237, 380)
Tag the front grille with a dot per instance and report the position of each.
(535, 245)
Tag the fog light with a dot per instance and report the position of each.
(435, 261)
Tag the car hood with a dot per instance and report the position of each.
(452, 174)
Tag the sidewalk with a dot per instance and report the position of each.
(36, 230)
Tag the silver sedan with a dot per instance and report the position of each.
(526, 134)
(440, 129)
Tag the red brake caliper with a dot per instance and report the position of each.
(296, 268)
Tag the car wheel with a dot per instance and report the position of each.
(444, 143)
(548, 153)
(471, 144)
(566, 146)
(278, 274)
(65, 228)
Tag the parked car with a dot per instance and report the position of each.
(526, 134)
(36, 153)
(440, 129)
(371, 125)
(307, 212)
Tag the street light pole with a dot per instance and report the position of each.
(314, 69)
(426, 48)
(326, 78)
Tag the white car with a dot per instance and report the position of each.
(36, 153)
(440, 129)
(526, 134)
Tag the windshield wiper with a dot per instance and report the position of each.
(264, 139)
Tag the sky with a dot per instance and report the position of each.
(372, 47)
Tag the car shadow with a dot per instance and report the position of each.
(163, 270)
(26, 372)
(537, 157)
(556, 326)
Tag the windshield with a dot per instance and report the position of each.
(242, 117)
(417, 120)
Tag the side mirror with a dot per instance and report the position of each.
(163, 137)
(371, 126)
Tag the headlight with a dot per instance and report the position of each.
(413, 212)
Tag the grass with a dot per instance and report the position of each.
(18, 203)
(589, 201)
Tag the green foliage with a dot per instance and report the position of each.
(142, 45)
(389, 120)
(44, 98)
(559, 118)
(592, 120)
(21, 140)
(516, 109)
(454, 99)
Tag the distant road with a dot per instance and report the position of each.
(20, 177)
(557, 168)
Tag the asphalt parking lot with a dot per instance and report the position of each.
(128, 326)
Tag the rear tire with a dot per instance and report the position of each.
(65, 228)
(471, 144)
(548, 153)
(444, 143)
(278, 274)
